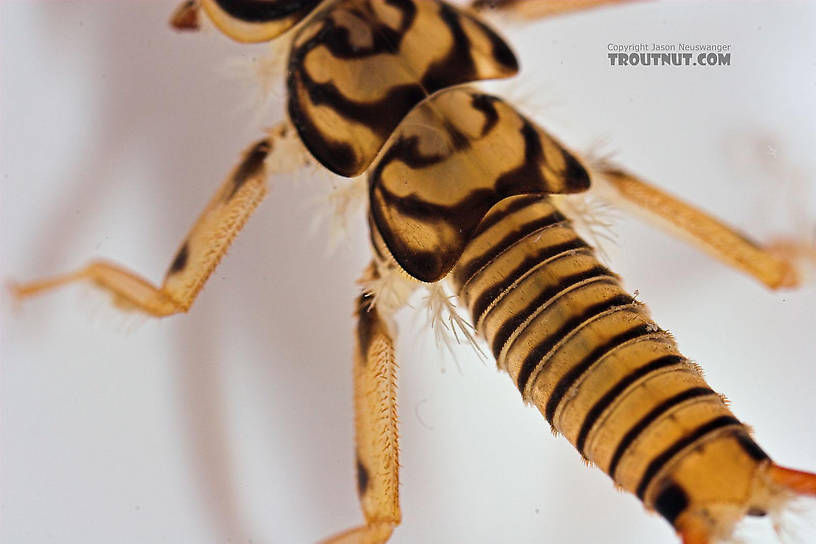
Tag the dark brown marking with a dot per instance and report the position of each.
(751, 448)
(461, 217)
(559, 251)
(544, 296)
(638, 428)
(500, 50)
(570, 377)
(433, 264)
(367, 322)
(362, 477)
(671, 502)
(252, 166)
(485, 104)
(458, 65)
(492, 4)
(406, 149)
(516, 203)
(261, 11)
(180, 261)
(381, 116)
(658, 462)
(459, 141)
(537, 354)
(575, 176)
(465, 271)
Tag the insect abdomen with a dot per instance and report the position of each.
(594, 363)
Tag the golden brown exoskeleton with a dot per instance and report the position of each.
(459, 187)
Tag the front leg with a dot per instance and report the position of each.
(201, 250)
(376, 426)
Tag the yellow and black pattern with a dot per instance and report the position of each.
(591, 359)
(257, 20)
(447, 164)
(458, 187)
(359, 66)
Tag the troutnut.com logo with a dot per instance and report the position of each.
(669, 54)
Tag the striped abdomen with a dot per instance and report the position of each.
(590, 358)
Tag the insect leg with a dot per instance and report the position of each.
(774, 268)
(377, 436)
(199, 253)
(185, 17)
(538, 9)
(693, 531)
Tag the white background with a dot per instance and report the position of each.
(234, 423)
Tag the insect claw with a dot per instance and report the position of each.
(20, 291)
(15, 300)
(185, 17)
(13, 289)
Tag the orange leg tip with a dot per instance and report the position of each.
(795, 480)
(20, 291)
(693, 530)
(13, 289)
(800, 258)
(13, 295)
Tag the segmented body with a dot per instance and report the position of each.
(459, 187)
(598, 368)
(576, 344)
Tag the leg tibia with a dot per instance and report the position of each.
(202, 249)
(774, 268)
(128, 290)
(376, 426)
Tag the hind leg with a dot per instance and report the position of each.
(776, 265)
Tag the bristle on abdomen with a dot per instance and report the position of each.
(588, 355)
